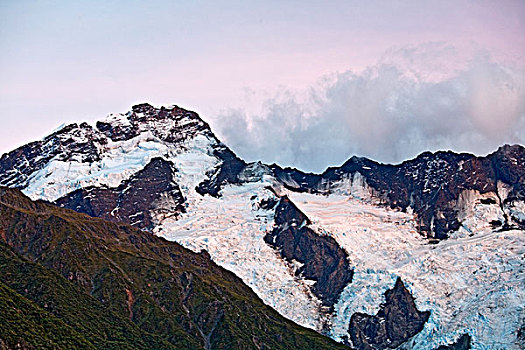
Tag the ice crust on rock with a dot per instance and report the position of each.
(119, 161)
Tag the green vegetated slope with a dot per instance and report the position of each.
(68, 280)
(23, 323)
(41, 309)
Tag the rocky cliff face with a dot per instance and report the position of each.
(172, 124)
(431, 185)
(397, 321)
(80, 142)
(148, 193)
(319, 258)
(227, 172)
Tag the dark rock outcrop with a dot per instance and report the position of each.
(81, 142)
(463, 343)
(521, 336)
(322, 259)
(135, 200)
(396, 322)
(296, 180)
(227, 172)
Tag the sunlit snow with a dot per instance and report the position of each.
(473, 283)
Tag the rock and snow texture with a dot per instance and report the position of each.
(397, 321)
(472, 283)
(463, 343)
(232, 229)
(79, 156)
(431, 184)
(321, 259)
(205, 197)
(149, 193)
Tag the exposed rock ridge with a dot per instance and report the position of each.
(135, 201)
(75, 141)
(170, 124)
(86, 144)
(396, 322)
(227, 172)
(320, 258)
(430, 184)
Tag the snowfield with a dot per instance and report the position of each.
(231, 229)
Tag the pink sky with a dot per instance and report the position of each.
(64, 62)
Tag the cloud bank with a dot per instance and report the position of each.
(428, 97)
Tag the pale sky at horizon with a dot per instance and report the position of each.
(275, 71)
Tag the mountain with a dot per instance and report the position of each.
(318, 248)
(72, 281)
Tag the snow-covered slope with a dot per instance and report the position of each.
(472, 283)
(78, 156)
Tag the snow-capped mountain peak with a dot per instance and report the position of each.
(170, 124)
(318, 248)
(79, 156)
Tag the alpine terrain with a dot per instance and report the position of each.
(162, 227)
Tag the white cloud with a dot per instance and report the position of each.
(421, 98)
